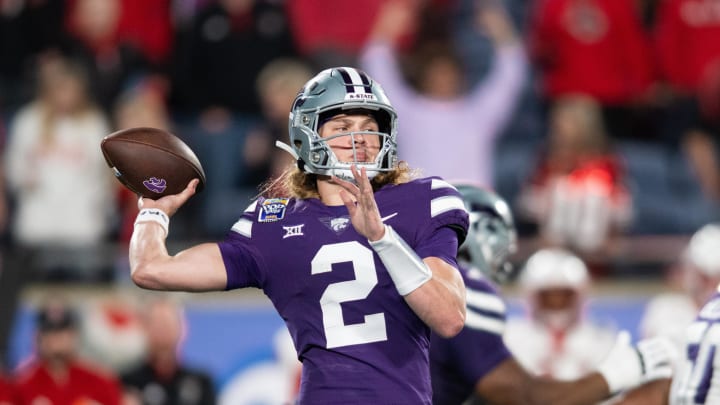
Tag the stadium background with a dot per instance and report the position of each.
(230, 332)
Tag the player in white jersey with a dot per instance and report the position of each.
(668, 314)
(695, 381)
(556, 339)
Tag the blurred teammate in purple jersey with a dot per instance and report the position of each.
(476, 365)
(357, 257)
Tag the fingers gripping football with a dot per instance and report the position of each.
(170, 203)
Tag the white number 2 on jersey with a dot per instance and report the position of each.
(337, 333)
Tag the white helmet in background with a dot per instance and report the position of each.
(554, 282)
(702, 262)
(703, 251)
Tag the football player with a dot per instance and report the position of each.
(477, 363)
(694, 381)
(554, 337)
(356, 256)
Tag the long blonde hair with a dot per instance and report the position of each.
(302, 185)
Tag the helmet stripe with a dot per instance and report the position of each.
(347, 80)
(358, 82)
(366, 81)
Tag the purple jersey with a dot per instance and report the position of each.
(358, 340)
(457, 364)
(695, 381)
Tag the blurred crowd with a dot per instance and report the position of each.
(595, 119)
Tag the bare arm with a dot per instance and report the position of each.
(439, 301)
(653, 393)
(199, 268)
(510, 384)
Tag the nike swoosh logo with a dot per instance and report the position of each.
(388, 217)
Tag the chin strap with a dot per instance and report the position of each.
(287, 148)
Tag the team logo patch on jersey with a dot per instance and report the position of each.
(295, 230)
(272, 209)
(337, 225)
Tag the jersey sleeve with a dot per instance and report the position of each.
(446, 210)
(242, 258)
(479, 347)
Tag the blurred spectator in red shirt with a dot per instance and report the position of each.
(7, 391)
(56, 375)
(148, 26)
(593, 47)
(93, 39)
(598, 48)
(576, 195)
(687, 42)
(341, 36)
(346, 28)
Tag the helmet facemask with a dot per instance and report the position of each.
(341, 91)
(325, 161)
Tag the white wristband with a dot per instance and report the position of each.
(406, 268)
(154, 215)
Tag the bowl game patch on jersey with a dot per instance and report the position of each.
(272, 209)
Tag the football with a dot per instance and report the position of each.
(151, 162)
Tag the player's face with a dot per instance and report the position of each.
(557, 299)
(366, 146)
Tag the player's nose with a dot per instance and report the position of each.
(359, 137)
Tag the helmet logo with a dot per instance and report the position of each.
(360, 96)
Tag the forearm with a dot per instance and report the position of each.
(432, 288)
(198, 268)
(655, 392)
(440, 302)
(587, 390)
(146, 253)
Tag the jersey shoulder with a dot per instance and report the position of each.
(430, 200)
(263, 210)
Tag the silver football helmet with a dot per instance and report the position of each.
(491, 237)
(331, 92)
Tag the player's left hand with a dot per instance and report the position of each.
(359, 199)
